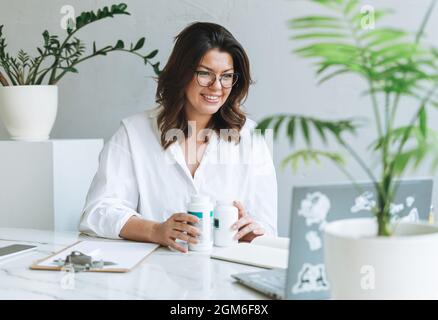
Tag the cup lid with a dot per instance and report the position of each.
(198, 198)
(224, 203)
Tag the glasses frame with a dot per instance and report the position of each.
(235, 76)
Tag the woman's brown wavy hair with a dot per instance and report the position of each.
(190, 46)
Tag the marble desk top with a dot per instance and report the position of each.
(162, 275)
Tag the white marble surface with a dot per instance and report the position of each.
(163, 275)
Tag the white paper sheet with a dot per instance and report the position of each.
(266, 252)
(124, 254)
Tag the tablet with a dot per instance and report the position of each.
(14, 249)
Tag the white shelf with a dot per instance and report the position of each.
(43, 185)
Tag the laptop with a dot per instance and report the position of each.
(314, 206)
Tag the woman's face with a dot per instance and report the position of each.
(207, 100)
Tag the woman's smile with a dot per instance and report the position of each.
(211, 98)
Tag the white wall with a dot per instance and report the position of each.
(113, 87)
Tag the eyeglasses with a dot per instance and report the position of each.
(207, 79)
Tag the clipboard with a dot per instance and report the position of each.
(125, 254)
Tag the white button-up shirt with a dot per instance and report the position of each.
(136, 176)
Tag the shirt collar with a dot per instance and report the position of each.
(153, 114)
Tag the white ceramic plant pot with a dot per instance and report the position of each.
(361, 265)
(28, 112)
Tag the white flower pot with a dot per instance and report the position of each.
(361, 265)
(28, 112)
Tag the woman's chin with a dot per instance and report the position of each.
(209, 109)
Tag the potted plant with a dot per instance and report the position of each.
(372, 258)
(28, 85)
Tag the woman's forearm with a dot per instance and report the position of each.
(139, 229)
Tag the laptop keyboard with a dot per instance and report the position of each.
(273, 278)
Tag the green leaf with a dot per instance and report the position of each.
(319, 35)
(398, 134)
(119, 45)
(384, 34)
(339, 52)
(46, 37)
(305, 130)
(139, 44)
(412, 157)
(88, 17)
(332, 4)
(106, 12)
(156, 68)
(332, 75)
(351, 5)
(70, 69)
(277, 125)
(400, 50)
(422, 118)
(320, 129)
(93, 16)
(308, 156)
(80, 22)
(312, 19)
(315, 22)
(400, 162)
(121, 7)
(152, 54)
(264, 124)
(291, 129)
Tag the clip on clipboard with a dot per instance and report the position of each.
(97, 256)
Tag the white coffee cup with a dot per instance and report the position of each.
(225, 215)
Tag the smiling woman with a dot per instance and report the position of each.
(203, 54)
(214, 93)
(138, 194)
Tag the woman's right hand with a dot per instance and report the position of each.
(176, 227)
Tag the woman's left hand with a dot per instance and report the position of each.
(248, 228)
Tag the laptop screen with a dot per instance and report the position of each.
(314, 206)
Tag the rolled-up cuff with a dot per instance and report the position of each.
(121, 223)
(106, 222)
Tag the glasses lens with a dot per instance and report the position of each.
(227, 80)
(205, 78)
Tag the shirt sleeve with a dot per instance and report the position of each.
(113, 195)
(263, 197)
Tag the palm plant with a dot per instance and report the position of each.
(395, 65)
(57, 58)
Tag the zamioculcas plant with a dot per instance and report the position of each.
(395, 65)
(58, 57)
